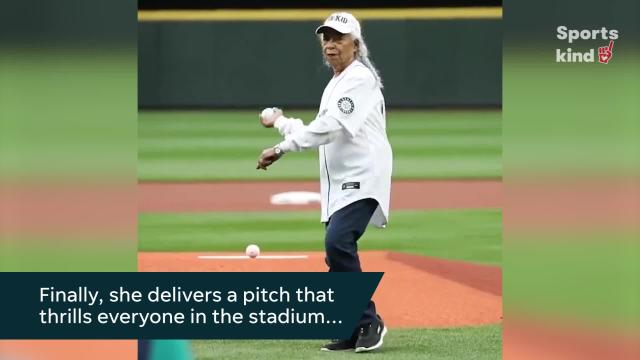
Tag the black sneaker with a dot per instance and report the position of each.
(371, 336)
(340, 345)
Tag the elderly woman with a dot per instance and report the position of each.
(355, 158)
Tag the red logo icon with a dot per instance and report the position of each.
(605, 53)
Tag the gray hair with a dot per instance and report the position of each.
(362, 55)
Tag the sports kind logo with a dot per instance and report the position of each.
(605, 53)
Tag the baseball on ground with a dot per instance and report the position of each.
(252, 251)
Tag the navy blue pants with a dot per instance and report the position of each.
(343, 230)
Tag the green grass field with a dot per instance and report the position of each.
(400, 344)
(224, 145)
(471, 235)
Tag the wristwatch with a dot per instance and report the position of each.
(278, 151)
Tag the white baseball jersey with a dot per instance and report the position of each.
(350, 132)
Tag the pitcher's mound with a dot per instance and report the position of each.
(415, 291)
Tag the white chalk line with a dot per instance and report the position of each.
(260, 257)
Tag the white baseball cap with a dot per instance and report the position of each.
(342, 22)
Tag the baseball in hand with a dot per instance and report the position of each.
(252, 251)
(268, 116)
(266, 113)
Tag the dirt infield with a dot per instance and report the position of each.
(416, 291)
(254, 196)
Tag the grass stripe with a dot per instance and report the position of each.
(471, 235)
(480, 343)
(186, 146)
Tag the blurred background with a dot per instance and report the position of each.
(440, 62)
(438, 57)
(68, 112)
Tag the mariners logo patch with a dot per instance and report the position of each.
(345, 105)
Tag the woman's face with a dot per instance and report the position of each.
(338, 49)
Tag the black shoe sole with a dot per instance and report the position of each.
(374, 347)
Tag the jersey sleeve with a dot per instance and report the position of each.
(353, 101)
(287, 126)
(319, 132)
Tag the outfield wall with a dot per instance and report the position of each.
(248, 64)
